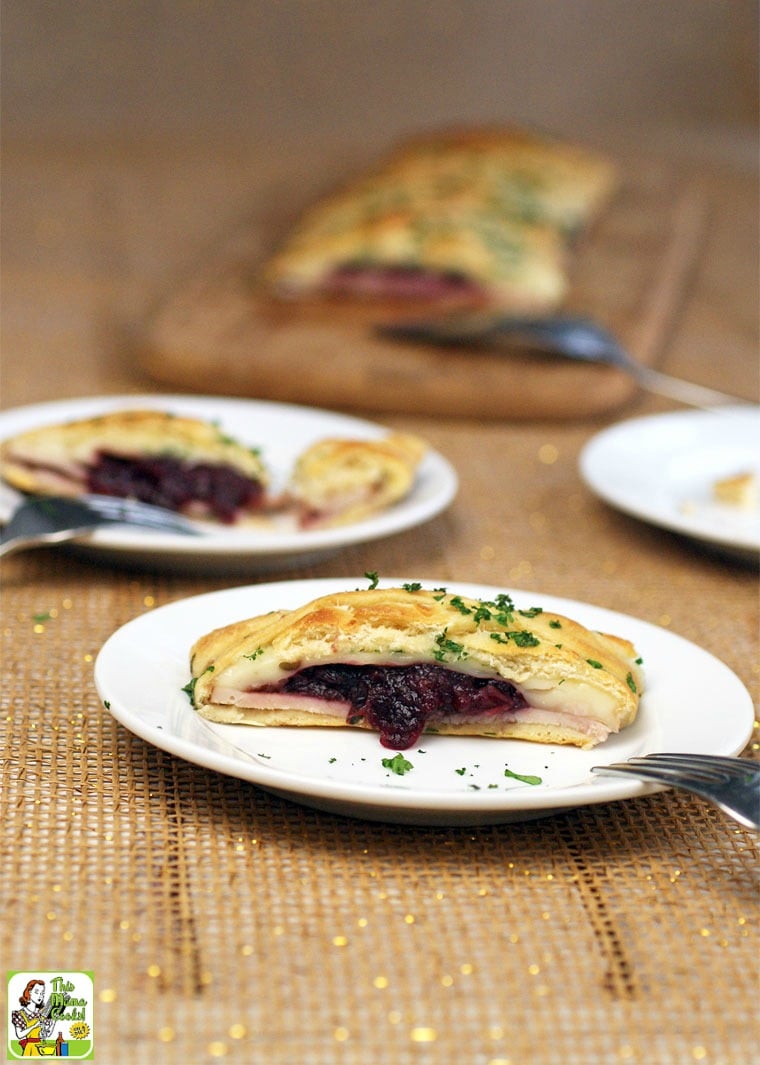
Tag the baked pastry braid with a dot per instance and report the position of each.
(407, 660)
(169, 460)
(478, 217)
(338, 481)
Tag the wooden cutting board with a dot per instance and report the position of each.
(216, 334)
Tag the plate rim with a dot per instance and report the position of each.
(326, 794)
(618, 432)
(274, 545)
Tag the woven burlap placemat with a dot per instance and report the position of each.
(225, 924)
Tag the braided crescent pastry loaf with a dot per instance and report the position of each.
(407, 660)
(474, 216)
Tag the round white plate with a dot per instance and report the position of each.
(662, 468)
(282, 431)
(693, 703)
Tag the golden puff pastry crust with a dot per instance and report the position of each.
(337, 481)
(483, 215)
(172, 460)
(408, 660)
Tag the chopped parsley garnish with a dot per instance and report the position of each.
(594, 664)
(554, 624)
(525, 779)
(398, 764)
(255, 654)
(459, 604)
(520, 637)
(447, 648)
(531, 612)
(373, 578)
(413, 586)
(631, 683)
(189, 688)
(461, 771)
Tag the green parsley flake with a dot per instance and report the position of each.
(594, 664)
(398, 765)
(189, 688)
(520, 637)
(524, 779)
(447, 648)
(373, 578)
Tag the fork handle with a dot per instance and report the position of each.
(10, 543)
(687, 392)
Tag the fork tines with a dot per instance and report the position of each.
(709, 766)
(133, 511)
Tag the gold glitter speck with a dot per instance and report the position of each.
(166, 1034)
(237, 1031)
(217, 1049)
(423, 1035)
(380, 982)
(548, 454)
(340, 941)
(154, 970)
(341, 1034)
(107, 995)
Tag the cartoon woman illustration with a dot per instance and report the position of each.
(30, 1024)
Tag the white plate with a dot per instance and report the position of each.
(693, 703)
(661, 468)
(282, 431)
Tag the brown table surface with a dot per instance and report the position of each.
(222, 923)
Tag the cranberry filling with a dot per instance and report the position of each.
(399, 701)
(169, 482)
(398, 282)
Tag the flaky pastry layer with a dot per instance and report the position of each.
(578, 685)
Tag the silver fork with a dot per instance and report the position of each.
(573, 337)
(733, 784)
(42, 520)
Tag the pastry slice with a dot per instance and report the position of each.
(169, 460)
(475, 217)
(338, 481)
(432, 253)
(404, 661)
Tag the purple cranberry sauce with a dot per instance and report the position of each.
(399, 701)
(174, 484)
(398, 282)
